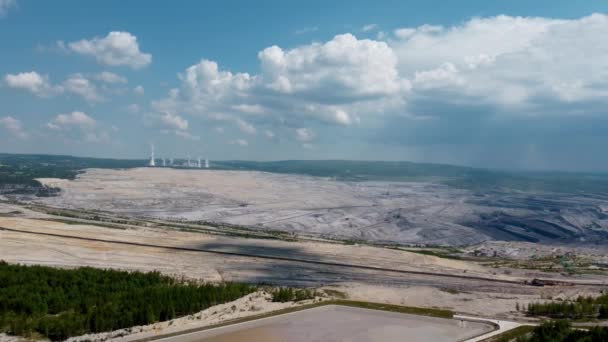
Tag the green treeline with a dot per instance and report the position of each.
(59, 303)
(287, 294)
(581, 308)
(561, 331)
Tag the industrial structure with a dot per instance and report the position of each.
(152, 162)
(171, 162)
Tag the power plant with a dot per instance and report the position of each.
(180, 163)
(152, 162)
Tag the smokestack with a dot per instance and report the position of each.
(152, 162)
(206, 163)
(189, 165)
(199, 163)
(164, 163)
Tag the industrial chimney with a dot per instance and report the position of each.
(206, 163)
(152, 162)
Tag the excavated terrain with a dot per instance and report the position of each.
(388, 212)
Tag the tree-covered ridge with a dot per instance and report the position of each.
(562, 331)
(580, 308)
(25, 168)
(59, 303)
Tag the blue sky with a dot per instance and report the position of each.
(509, 84)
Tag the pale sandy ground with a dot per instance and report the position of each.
(465, 296)
(340, 323)
(396, 212)
(351, 254)
(471, 296)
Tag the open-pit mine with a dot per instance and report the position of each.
(418, 244)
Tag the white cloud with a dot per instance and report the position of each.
(244, 126)
(181, 134)
(13, 126)
(369, 27)
(33, 82)
(219, 130)
(304, 134)
(507, 65)
(77, 83)
(139, 90)
(6, 6)
(515, 64)
(115, 49)
(133, 108)
(174, 121)
(78, 127)
(170, 123)
(249, 108)
(331, 83)
(110, 77)
(269, 134)
(343, 70)
(444, 75)
(240, 142)
(80, 85)
(73, 119)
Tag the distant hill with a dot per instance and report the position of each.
(456, 176)
(24, 168)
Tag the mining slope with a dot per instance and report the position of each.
(392, 212)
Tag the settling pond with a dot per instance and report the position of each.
(341, 323)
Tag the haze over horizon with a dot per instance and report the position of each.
(514, 85)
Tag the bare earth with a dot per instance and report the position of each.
(464, 295)
(397, 212)
(340, 323)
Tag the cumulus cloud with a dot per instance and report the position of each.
(174, 121)
(331, 83)
(239, 142)
(73, 119)
(33, 82)
(513, 64)
(110, 77)
(80, 85)
(115, 49)
(13, 126)
(78, 126)
(369, 27)
(6, 6)
(181, 134)
(269, 134)
(170, 123)
(139, 90)
(304, 134)
(133, 108)
(424, 80)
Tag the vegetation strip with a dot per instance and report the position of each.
(582, 308)
(511, 334)
(60, 303)
(298, 260)
(431, 312)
